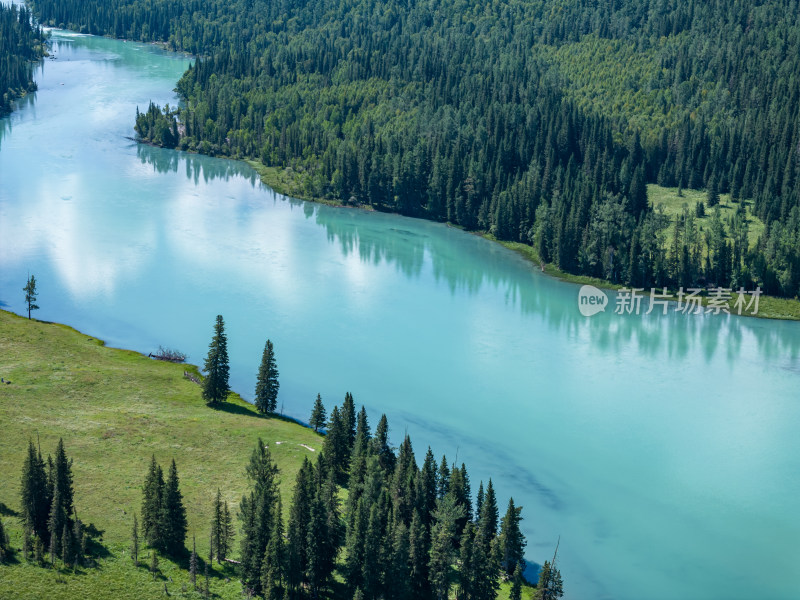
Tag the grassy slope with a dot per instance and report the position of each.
(114, 409)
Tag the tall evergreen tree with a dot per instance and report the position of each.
(216, 525)
(256, 513)
(512, 541)
(381, 447)
(489, 516)
(442, 546)
(318, 415)
(172, 515)
(215, 384)
(267, 383)
(35, 494)
(273, 568)
(348, 414)
(152, 498)
(335, 445)
(516, 584)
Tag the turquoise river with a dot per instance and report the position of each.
(664, 450)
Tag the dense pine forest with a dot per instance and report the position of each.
(21, 43)
(538, 122)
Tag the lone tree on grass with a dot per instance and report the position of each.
(30, 295)
(267, 384)
(215, 385)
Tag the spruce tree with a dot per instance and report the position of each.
(62, 479)
(479, 501)
(173, 515)
(154, 563)
(216, 525)
(442, 547)
(362, 439)
(273, 570)
(267, 383)
(489, 516)
(35, 494)
(30, 295)
(318, 416)
(512, 542)
(135, 542)
(516, 584)
(419, 557)
(228, 532)
(256, 513)
(153, 491)
(550, 586)
(66, 545)
(56, 523)
(348, 414)
(335, 444)
(215, 384)
(443, 479)
(381, 447)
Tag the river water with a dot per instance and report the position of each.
(663, 450)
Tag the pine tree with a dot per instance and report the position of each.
(348, 414)
(317, 420)
(361, 442)
(30, 295)
(335, 445)
(712, 194)
(153, 492)
(55, 523)
(35, 494)
(419, 557)
(256, 513)
(66, 545)
(228, 532)
(173, 515)
(516, 584)
(154, 563)
(550, 586)
(267, 383)
(443, 479)
(135, 542)
(442, 547)
(216, 526)
(489, 517)
(512, 542)
(215, 384)
(381, 447)
(274, 565)
(62, 479)
(193, 563)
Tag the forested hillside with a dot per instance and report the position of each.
(537, 121)
(20, 44)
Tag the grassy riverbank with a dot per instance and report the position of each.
(114, 409)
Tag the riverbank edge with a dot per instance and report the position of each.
(234, 397)
(770, 307)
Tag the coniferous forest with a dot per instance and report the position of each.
(538, 122)
(21, 43)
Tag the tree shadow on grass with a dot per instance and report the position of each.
(7, 511)
(238, 409)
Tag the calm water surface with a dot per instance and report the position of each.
(664, 450)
